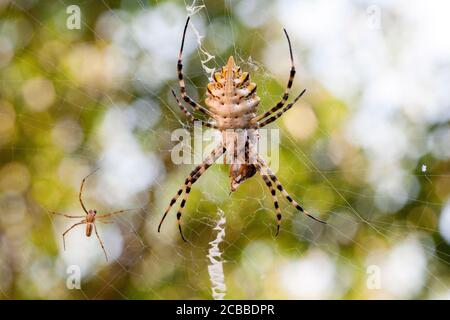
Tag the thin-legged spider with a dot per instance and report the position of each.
(89, 219)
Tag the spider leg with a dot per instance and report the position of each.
(65, 232)
(178, 194)
(81, 189)
(206, 164)
(280, 113)
(112, 213)
(274, 196)
(219, 150)
(100, 240)
(183, 203)
(106, 222)
(65, 215)
(283, 100)
(184, 95)
(175, 198)
(285, 193)
(190, 115)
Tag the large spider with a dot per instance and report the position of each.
(89, 218)
(232, 101)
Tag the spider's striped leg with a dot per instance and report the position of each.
(284, 192)
(81, 189)
(274, 196)
(177, 195)
(190, 115)
(100, 240)
(184, 95)
(214, 155)
(206, 164)
(183, 202)
(186, 196)
(65, 232)
(285, 97)
(280, 113)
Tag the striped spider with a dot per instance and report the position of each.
(88, 219)
(232, 103)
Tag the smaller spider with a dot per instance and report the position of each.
(89, 218)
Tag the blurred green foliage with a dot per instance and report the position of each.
(51, 74)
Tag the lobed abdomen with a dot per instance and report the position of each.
(232, 97)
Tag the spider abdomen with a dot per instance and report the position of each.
(234, 122)
(232, 97)
(88, 229)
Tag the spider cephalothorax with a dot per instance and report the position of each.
(232, 103)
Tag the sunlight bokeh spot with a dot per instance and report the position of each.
(38, 93)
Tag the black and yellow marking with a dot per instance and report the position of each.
(252, 87)
(217, 76)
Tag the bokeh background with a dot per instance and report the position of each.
(366, 149)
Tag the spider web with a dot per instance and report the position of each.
(353, 151)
